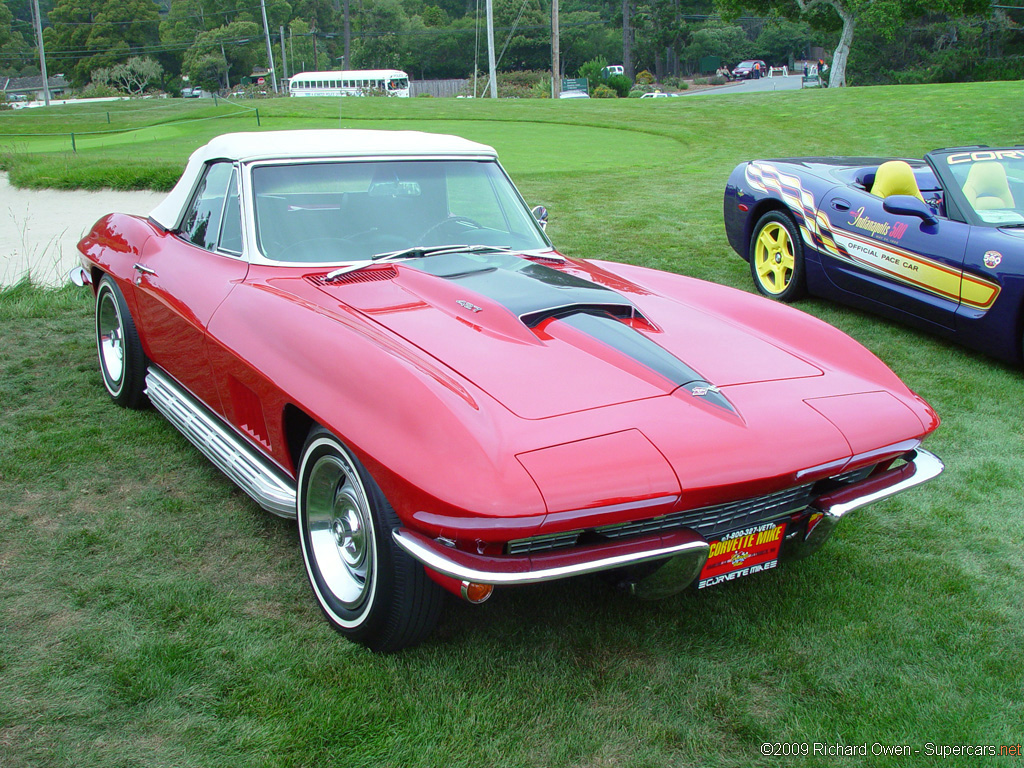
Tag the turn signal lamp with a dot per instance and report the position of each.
(476, 593)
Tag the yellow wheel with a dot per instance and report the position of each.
(776, 257)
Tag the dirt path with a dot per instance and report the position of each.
(39, 229)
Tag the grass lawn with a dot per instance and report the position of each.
(152, 615)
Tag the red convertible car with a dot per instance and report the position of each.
(370, 331)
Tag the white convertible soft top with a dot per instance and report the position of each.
(283, 145)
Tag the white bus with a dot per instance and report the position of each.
(355, 82)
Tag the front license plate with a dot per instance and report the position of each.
(742, 553)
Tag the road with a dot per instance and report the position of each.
(778, 83)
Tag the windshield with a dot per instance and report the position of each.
(334, 212)
(991, 182)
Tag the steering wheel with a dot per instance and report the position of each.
(451, 220)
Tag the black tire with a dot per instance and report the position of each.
(368, 588)
(122, 361)
(777, 258)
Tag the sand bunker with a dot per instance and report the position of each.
(39, 229)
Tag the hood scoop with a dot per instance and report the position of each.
(532, 292)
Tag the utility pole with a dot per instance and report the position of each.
(270, 51)
(284, 58)
(556, 64)
(348, 36)
(38, 19)
(491, 66)
(627, 40)
(227, 68)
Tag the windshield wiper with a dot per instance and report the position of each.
(416, 252)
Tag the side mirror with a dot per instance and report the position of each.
(540, 213)
(908, 205)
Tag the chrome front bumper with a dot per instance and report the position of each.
(685, 549)
(919, 468)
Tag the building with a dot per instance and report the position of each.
(31, 88)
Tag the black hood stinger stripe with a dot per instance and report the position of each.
(536, 293)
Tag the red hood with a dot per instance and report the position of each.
(508, 325)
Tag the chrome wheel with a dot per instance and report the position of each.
(110, 340)
(369, 589)
(122, 361)
(340, 530)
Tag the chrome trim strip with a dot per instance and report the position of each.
(267, 485)
(508, 570)
(924, 466)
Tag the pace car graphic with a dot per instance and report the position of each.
(866, 252)
(937, 243)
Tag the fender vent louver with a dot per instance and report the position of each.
(360, 276)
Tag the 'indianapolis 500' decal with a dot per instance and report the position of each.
(878, 257)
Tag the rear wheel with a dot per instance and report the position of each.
(777, 258)
(369, 589)
(122, 361)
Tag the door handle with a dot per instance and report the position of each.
(840, 205)
(140, 270)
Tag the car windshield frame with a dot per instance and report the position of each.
(256, 252)
(950, 164)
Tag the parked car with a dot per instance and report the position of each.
(746, 69)
(936, 243)
(655, 95)
(573, 95)
(369, 332)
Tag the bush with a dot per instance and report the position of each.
(521, 85)
(645, 78)
(603, 92)
(541, 89)
(98, 91)
(592, 71)
(620, 84)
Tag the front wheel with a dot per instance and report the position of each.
(777, 258)
(369, 589)
(122, 361)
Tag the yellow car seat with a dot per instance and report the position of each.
(986, 187)
(895, 177)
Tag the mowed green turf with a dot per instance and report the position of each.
(152, 614)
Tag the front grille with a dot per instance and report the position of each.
(715, 520)
(543, 543)
(710, 522)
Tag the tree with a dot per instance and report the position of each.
(885, 16)
(238, 46)
(132, 77)
(782, 41)
(300, 49)
(14, 52)
(382, 40)
(727, 41)
(91, 34)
